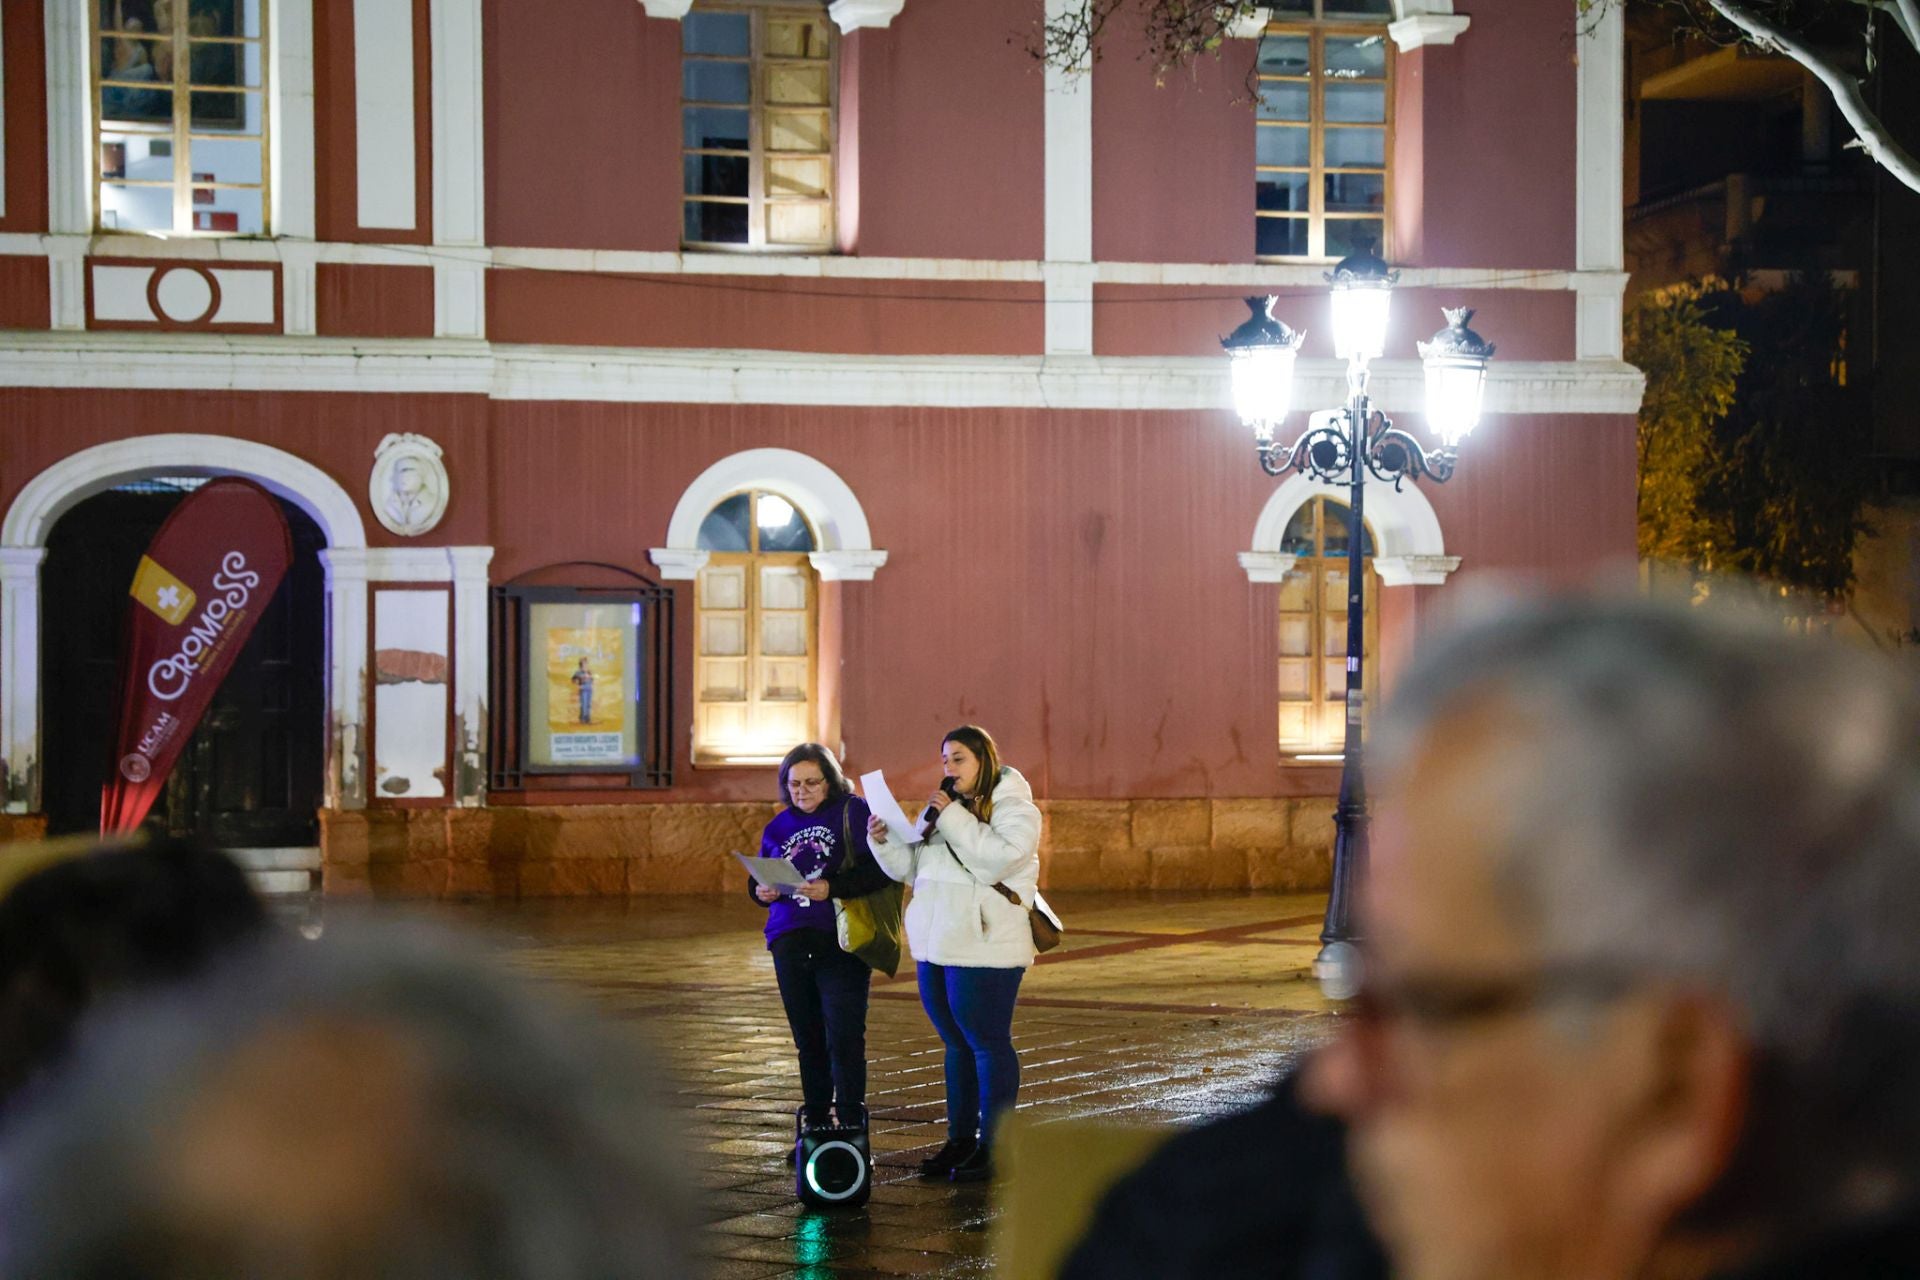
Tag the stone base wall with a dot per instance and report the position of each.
(16, 828)
(618, 850)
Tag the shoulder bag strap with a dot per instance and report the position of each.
(997, 886)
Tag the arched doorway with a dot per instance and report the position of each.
(252, 776)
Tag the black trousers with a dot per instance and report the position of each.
(825, 992)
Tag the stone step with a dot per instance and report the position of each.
(280, 882)
(292, 858)
(277, 871)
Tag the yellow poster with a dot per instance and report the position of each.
(584, 678)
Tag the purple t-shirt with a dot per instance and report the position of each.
(812, 842)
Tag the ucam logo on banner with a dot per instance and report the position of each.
(200, 589)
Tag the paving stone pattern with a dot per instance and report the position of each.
(1159, 1007)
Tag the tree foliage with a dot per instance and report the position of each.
(1753, 447)
(1691, 370)
(1837, 40)
(1177, 32)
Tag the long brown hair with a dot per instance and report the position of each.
(980, 743)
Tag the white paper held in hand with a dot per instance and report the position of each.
(880, 800)
(775, 873)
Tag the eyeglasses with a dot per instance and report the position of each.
(806, 784)
(1438, 1001)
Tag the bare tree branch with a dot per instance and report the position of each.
(1909, 18)
(1905, 15)
(1872, 134)
(1894, 11)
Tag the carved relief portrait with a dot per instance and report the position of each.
(408, 488)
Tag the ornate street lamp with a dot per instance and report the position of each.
(1350, 444)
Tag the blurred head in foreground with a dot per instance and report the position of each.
(376, 1105)
(1643, 970)
(83, 926)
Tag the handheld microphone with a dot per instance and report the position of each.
(932, 815)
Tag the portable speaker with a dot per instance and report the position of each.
(832, 1163)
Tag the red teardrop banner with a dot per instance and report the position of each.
(200, 589)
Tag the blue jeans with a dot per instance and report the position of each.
(825, 992)
(972, 1009)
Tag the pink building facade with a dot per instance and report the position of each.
(942, 323)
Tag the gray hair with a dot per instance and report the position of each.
(379, 1104)
(1711, 803)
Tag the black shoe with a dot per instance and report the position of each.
(977, 1167)
(942, 1162)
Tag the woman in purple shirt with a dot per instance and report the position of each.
(822, 832)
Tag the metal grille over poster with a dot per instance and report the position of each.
(200, 589)
(583, 685)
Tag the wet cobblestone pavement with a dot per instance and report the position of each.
(1157, 1008)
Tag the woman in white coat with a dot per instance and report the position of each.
(973, 878)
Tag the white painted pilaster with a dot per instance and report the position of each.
(1069, 308)
(1599, 229)
(346, 676)
(67, 280)
(3, 128)
(290, 131)
(69, 123)
(470, 632)
(20, 678)
(1069, 200)
(299, 285)
(386, 166)
(459, 196)
(460, 293)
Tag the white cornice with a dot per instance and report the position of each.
(847, 566)
(1226, 275)
(1267, 566)
(625, 375)
(1414, 570)
(1421, 30)
(1252, 26)
(678, 566)
(851, 15)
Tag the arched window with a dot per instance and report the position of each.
(1313, 630)
(756, 628)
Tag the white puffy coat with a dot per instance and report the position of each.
(955, 917)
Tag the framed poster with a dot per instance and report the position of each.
(583, 675)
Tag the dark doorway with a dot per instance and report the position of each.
(250, 778)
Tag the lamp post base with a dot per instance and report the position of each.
(1338, 970)
(1338, 966)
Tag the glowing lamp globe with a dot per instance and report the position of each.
(1262, 351)
(1362, 292)
(1456, 367)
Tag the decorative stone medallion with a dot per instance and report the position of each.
(408, 488)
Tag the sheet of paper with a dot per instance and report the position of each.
(775, 873)
(873, 786)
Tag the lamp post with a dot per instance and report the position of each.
(1350, 444)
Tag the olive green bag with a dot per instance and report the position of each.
(869, 926)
